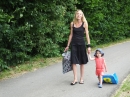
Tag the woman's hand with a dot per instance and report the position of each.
(89, 50)
(66, 49)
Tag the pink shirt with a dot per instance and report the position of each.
(99, 63)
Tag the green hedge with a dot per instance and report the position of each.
(108, 20)
(33, 27)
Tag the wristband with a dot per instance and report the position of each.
(88, 45)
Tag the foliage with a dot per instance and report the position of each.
(108, 20)
(31, 27)
(37, 27)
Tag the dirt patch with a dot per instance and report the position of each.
(125, 94)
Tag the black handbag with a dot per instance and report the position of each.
(66, 62)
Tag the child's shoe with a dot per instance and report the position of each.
(100, 86)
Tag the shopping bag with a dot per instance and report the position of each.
(66, 62)
(110, 78)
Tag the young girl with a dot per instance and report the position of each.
(100, 65)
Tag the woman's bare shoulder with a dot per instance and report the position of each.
(85, 24)
(71, 24)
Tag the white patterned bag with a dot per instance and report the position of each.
(66, 62)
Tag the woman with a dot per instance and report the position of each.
(78, 27)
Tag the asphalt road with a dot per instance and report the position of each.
(51, 82)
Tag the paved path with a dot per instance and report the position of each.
(50, 82)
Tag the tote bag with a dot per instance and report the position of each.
(66, 62)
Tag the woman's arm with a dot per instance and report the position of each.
(70, 37)
(86, 32)
(90, 57)
(87, 36)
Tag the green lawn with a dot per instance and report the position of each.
(124, 90)
(32, 65)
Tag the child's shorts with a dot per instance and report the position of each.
(99, 72)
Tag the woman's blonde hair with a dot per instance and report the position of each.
(83, 17)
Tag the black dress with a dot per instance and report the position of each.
(78, 47)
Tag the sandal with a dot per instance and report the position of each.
(81, 82)
(73, 83)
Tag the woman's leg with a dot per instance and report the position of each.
(75, 72)
(81, 73)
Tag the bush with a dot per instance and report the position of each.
(33, 27)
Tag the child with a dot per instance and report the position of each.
(100, 65)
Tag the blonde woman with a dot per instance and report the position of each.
(78, 28)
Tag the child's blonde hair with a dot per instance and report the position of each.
(83, 17)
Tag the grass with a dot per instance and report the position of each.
(124, 90)
(39, 62)
(32, 65)
(110, 44)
